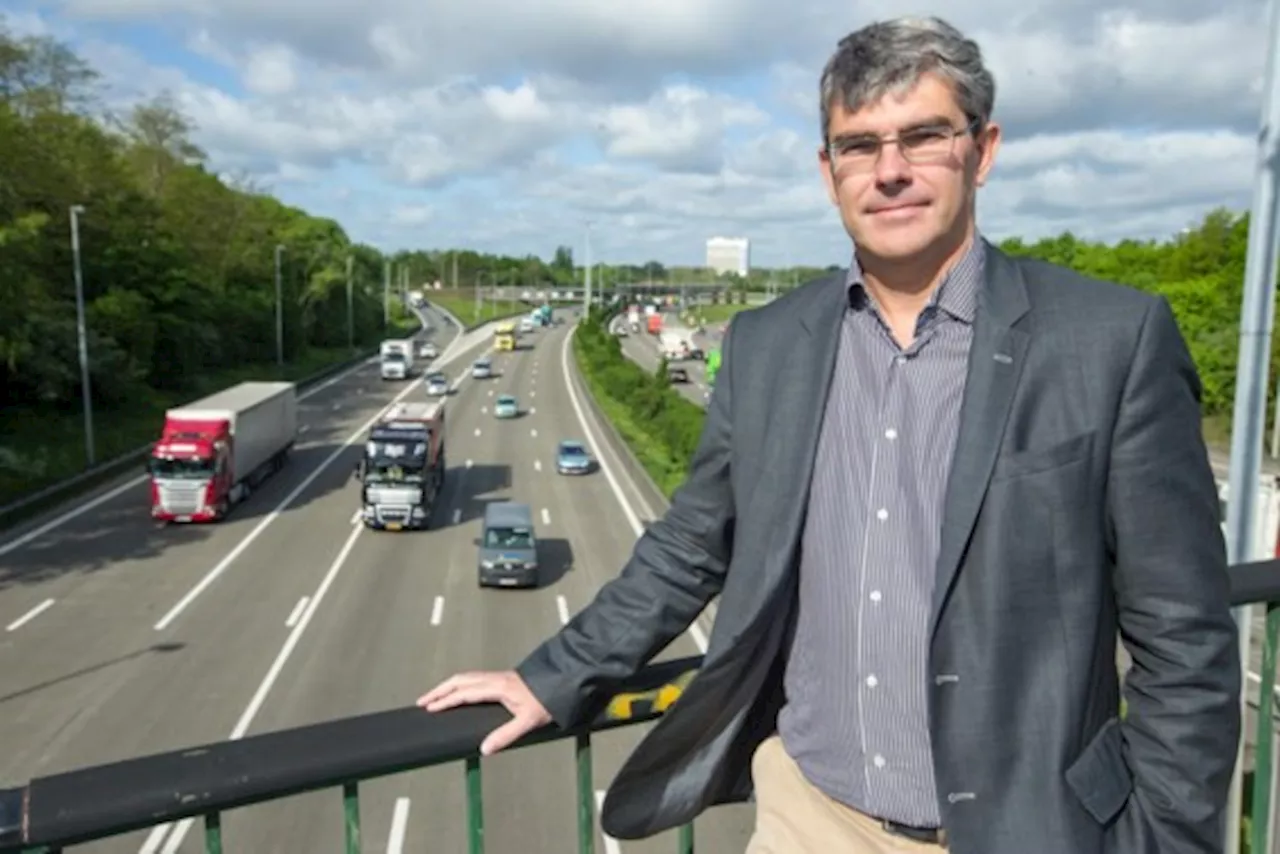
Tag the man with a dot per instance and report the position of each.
(929, 493)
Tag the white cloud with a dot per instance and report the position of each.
(271, 71)
(506, 125)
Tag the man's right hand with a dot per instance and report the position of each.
(505, 687)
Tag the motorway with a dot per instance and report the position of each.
(124, 637)
(642, 348)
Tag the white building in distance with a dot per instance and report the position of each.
(729, 255)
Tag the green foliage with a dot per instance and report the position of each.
(1200, 272)
(178, 270)
(661, 427)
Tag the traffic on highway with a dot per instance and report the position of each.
(413, 527)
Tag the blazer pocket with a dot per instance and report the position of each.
(1100, 778)
(1038, 460)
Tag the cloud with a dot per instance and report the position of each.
(507, 126)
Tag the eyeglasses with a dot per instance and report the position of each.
(930, 144)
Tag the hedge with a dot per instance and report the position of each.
(660, 426)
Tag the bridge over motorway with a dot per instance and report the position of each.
(162, 683)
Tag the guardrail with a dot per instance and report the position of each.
(103, 471)
(51, 813)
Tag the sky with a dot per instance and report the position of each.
(646, 127)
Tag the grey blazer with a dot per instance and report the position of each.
(1080, 504)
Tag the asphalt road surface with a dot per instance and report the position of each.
(642, 348)
(126, 637)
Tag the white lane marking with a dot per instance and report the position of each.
(29, 616)
(260, 696)
(532, 410)
(477, 431)
(457, 516)
(222, 566)
(490, 392)
(546, 516)
(533, 394)
(611, 845)
(79, 511)
(437, 610)
(470, 463)
(57, 522)
(695, 631)
(355, 517)
(67, 517)
(1255, 678)
(534, 433)
(304, 428)
(296, 613)
(484, 410)
(399, 825)
(563, 607)
(537, 465)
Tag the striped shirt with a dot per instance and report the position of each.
(855, 718)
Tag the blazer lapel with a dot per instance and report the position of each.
(795, 419)
(996, 358)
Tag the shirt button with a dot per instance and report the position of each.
(875, 595)
(879, 760)
(882, 514)
(872, 681)
(891, 434)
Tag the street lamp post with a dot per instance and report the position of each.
(386, 294)
(351, 317)
(81, 333)
(279, 310)
(587, 274)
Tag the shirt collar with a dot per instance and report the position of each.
(956, 294)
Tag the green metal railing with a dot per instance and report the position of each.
(50, 814)
(53, 813)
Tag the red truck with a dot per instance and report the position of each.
(654, 323)
(215, 451)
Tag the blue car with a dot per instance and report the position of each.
(572, 458)
(506, 407)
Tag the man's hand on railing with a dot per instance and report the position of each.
(505, 687)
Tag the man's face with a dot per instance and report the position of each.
(896, 204)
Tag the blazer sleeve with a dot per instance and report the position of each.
(677, 567)
(1173, 600)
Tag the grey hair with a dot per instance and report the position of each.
(892, 56)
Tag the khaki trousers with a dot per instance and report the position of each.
(795, 817)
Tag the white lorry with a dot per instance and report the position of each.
(397, 359)
(673, 346)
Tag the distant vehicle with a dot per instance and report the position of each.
(504, 337)
(506, 406)
(437, 384)
(572, 458)
(713, 365)
(397, 359)
(508, 555)
(481, 369)
(427, 350)
(677, 375)
(215, 451)
(526, 325)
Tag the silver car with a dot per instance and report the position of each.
(437, 384)
(481, 369)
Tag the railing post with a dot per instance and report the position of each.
(685, 844)
(1263, 817)
(351, 813)
(475, 807)
(586, 795)
(213, 833)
